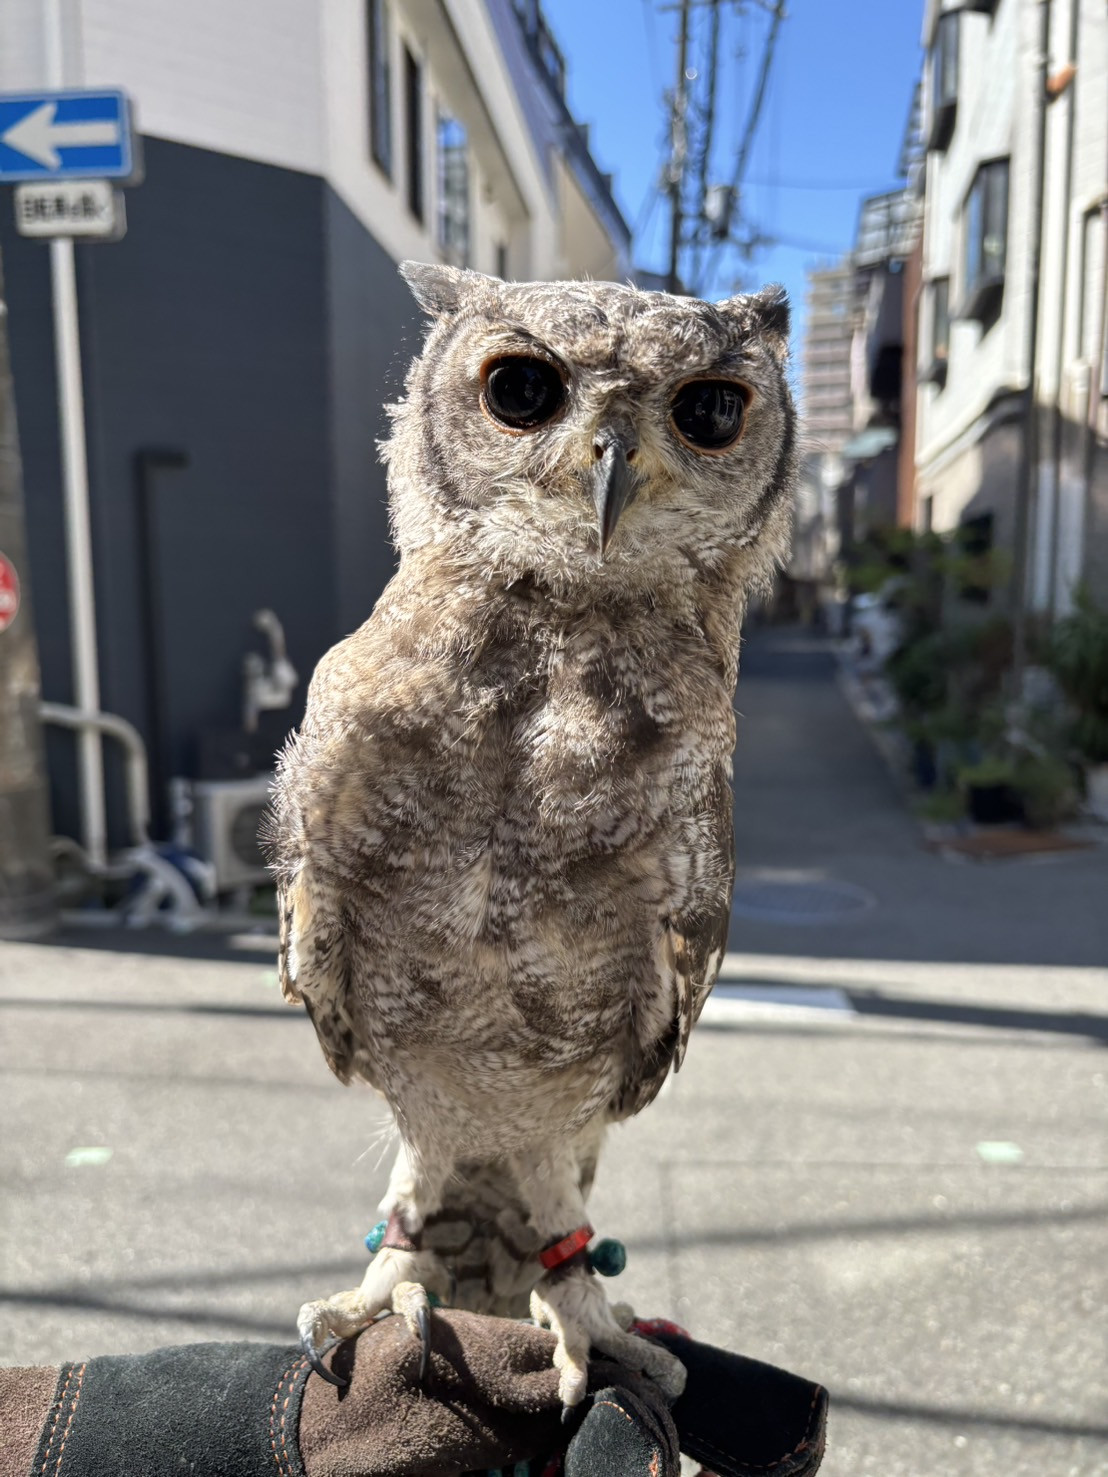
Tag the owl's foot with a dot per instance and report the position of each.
(571, 1303)
(395, 1281)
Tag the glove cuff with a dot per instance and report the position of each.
(214, 1410)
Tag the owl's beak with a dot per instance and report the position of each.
(614, 485)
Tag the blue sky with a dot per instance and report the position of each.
(834, 115)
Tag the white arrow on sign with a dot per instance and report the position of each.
(39, 137)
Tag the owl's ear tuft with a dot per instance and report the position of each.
(765, 313)
(440, 290)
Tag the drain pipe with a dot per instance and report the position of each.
(1029, 469)
(1067, 79)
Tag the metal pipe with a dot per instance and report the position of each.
(1030, 452)
(138, 782)
(1057, 416)
(679, 156)
(71, 425)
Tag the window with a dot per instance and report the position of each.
(453, 151)
(1092, 333)
(986, 241)
(413, 123)
(937, 351)
(380, 83)
(975, 543)
(944, 81)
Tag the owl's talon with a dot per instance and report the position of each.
(576, 1310)
(410, 1300)
(311, 1354)
(423, 1317)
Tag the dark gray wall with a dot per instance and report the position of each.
(374, 331)
(248, 322)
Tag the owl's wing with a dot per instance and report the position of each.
(313, 968)
(325, 778)
(690, 946)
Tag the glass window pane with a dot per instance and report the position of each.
(413, 111)
(994, 244)
(453, 164)
(380, 84)
(940, 321)
(974, 228)
(948, 30)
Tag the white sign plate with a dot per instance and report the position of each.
(86, 208)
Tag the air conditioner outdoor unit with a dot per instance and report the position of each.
(219, 820)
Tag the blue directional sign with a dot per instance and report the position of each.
(65, 135)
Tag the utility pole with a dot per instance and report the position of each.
(679, 151)
(1029, 459)
(27, 905)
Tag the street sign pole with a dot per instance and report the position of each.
(71, 421)
(62, 148)
(82, 600)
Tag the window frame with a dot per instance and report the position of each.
(453, 226)
(934, 370)
(983, 284)
(379, 83)
(944, 56)
(414, 166)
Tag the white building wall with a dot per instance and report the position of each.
(996, 79)
(1073, 286)
(284, 82)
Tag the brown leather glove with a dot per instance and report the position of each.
(241, 1410)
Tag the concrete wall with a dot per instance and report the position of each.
(988, 366)
(267, 370)
(284, 82)
(994, 120)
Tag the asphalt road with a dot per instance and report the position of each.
(884, 1164)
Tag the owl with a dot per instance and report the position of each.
(502, 835)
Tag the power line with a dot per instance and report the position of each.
(709, 122)
(753, 118)
(813, 184)
(759, 94)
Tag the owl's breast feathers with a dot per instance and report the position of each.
(503, 841)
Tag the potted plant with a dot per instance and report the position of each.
(990, 789)
(1046, 790)
(1079, 660)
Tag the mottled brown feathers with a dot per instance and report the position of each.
(502, 835)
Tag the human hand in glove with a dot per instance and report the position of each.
(491, 1402)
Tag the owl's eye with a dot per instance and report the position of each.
(708, 414)
(523, 393)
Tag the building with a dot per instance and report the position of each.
(853, 389)
(887, 236)
(827, 420)
(240, 341)
(1012, 300)
(827, 403)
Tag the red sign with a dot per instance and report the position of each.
(9, 592)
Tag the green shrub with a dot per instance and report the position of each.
(994, 769)
(1046, 788)
(1079, 659)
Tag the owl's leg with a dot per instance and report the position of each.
(570, 1300)
(398, 1278)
